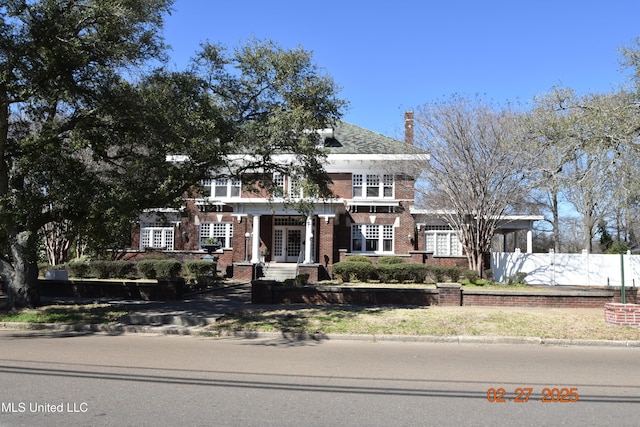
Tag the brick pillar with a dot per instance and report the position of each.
(450, 294)
(325, 243)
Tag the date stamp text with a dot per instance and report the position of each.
(523, 395)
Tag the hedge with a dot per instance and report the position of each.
(353, 270)
(157, 269)
(200, 268)
(111, 269)
(385, 272)
(78, 269)
(390, 260)
(359, 258)
(100, 269)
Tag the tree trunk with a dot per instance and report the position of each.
(556, 222)
(21, 277)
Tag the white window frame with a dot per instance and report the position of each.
(372, 238)
(223, 231)
(156, 236)
(290, 187)
(372, 186)
(230, 188)
(442, 241)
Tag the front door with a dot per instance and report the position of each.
(287, 243)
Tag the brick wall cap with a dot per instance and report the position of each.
(619, 305)
(449, 285)
(538, 293)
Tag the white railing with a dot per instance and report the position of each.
(568, 269)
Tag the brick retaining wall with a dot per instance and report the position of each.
(568, 299)
(445, 294)
(162, 290)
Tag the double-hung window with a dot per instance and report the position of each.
(156, 236)
(441, 240)
(374, 238)
(372, 186)
(219, 188)
(287, 186)
(222, 231)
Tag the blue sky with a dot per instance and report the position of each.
(393, 56)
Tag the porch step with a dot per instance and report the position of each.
(279, 272)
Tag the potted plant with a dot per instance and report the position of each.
(211, 245)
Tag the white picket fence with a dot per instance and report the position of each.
(568, 269)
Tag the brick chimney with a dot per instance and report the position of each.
(408, 127)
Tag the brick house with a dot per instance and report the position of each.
(371, 214)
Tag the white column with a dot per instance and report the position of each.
(255, 240)
(308, 235)
(529, 241)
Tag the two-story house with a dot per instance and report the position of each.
(372, 213)
(369, 213)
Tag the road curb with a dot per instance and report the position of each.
(113, 329)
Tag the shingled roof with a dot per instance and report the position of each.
(352, 139)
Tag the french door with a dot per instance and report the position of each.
(287, 243)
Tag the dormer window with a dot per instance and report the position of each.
(372, 186)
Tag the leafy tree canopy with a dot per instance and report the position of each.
(86, 126)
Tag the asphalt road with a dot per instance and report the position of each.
(50, 379)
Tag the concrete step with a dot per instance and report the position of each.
(279, 272)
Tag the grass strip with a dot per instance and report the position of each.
(77, 313)
(433, 321)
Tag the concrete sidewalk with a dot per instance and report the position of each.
(197, 309)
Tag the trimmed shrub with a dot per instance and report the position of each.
(158, 269)
(167, 268)
(123, 269)
(401, 272)
(386, 273)
(359, 258)
(147, 268)
(78, 269)
(202, 273)
(110, 269)
(417, 273)
(201, 268)
(471, 276)
(390, 260)
(350, 270)
(100, 269)
(453, 273)
(437, 273)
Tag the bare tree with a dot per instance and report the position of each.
(549, 133)
(597, 180)
(476, 171)
(582, 145)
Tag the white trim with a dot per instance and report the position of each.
(370, 202)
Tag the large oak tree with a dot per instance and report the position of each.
(86, 127)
